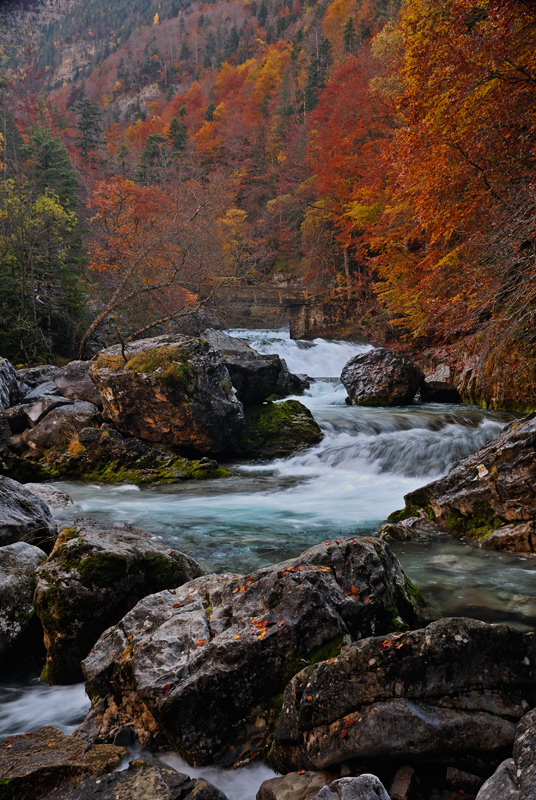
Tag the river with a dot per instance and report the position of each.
(266, 512)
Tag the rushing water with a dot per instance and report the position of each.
(368, 459)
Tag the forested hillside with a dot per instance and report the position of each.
(378, 150)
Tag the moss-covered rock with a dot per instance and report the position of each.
(274, 430)
(93, 576)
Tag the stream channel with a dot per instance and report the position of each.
(267, 512)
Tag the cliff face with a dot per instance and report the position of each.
(22, 19)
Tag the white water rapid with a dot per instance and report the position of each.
(368, 459)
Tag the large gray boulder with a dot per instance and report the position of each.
(46, 763)
(450, 694)
(173, 389)
(203, 667)
(75, 382)
(294, 786)
(94, 575)
(365, 787)
(9, 385)
(381, 377)
(515, 778)
(17, 564)
(60, 426)
(255, 376)
(23, 516)
(490, 492)
(145, 779)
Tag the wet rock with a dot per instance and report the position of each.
(53, 496)
(515, 778)
(231, 643)
(486, 491)
(439, 392)
(23, 516)
(255, 376)
(381, 377)
(447, 694)
(9, 385)
(502, 785)
(366, 787)
(75, 382)
(410, 529)
(94, 575)
(512, 538)
(60, 426)
(103, 455)
(45, 763)
(173, 389)
(294, 787)
(145, 779)
(17, 564)
(275, 430)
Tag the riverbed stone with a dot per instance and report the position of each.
(381, 377)
(55, 498)
(230, 644)
(60, 426)
(17, 564)
(145, 779)
(448, 694)
(515, 778)
(295, 786)
(275, 430)
(173, 389)
(24, 516)
(9, 385)
(365, 787)
(45, 763)
(94, 575)
(74, 381)
(490, 491)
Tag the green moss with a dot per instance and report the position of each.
(278, 429)
(327, 651)
(478, 524)
(8, 790)
(101, 569)
(109, 362)
(416, 502)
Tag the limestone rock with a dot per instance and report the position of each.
(294, 787)
(94, 575)
(23, 516)
(9, 385)
(17, 564)
(75, 382)
(173, 389)
(35, 376)
(366, 787)
(231, 643)
(145, 779)
(275, 430)
(59, 427)
(53, 496)
(43, 406)
(449, 693)
(381, 377)
(44, 764)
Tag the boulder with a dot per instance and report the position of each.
(366, 787)
(94, 575)
(45, 763)
(17, 564)
(173, 389)
(255, 376)
(53, 496)
(515, 778)
(16, 417)
(35, 376)
(381, 377)
(449, 694)
(44, 405)
(145, 779)
(294, 786)
(230, 644)
(23, 516)
(45, 389)
(491, 490)
(9, 385)
(75, 382)
(439, 392)
(103, 455)
(60, 426)
(275, 430)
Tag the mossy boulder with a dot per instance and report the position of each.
(173, 389)
(229, 644)
(17, 564)
(274, 430)
(94, 575)
(490, 491)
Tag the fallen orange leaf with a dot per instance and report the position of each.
(200, 642)
(237, 636)
(344, 733)
(301, 772)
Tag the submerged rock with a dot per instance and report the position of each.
(145, 779)
(173, 389)
(23, 516)
(45, 763)
(492, 490)
(17, 564)
(274, 430)
(94, 575)
(203, 668)
(447, 694)
(381, 377)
